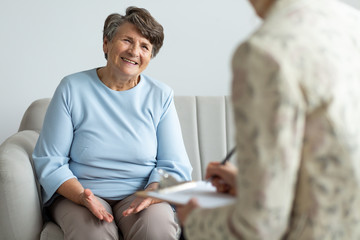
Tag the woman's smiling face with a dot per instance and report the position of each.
(129, 52)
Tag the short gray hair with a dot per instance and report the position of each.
(144, 22)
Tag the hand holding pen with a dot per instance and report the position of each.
(223, 175)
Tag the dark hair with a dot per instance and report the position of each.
(143, 21)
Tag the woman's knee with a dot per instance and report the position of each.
(103, 230)
(155, 222)
(87, 226)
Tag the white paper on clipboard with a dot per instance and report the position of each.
(203, 191)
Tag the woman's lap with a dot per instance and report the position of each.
(77, 222)
(155, 222)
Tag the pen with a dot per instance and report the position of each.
(227, 158)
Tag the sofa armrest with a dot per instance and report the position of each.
(20, 204)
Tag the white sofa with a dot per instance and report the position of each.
(207, 128)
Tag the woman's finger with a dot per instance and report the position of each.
(108, 217)
(128, 211)
(142, 205)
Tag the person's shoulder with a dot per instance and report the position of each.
(275, 34)
(78, 78)
(257, 51)
(75, 83)
(255, 46)
(156, 85)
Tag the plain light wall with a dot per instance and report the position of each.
(42, 41)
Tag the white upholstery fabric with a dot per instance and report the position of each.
(207, 127)
(212, 130)
(186, 109)
(208, 132)
(20, 208)
(34, 116)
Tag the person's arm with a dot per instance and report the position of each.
(51, 153)
(269, 117)
(74, 191)
(171, 152)
(51, 156)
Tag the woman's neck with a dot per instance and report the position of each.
(115, 81)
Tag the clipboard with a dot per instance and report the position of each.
(203, 191)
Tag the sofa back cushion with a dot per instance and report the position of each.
(207, 127)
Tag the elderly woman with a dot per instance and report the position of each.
(106, 133)
(296, 95)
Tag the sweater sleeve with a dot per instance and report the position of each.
(171, 152)
(269, 117)
(51, 153)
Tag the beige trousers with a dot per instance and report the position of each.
(153, 223)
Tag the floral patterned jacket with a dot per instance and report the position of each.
(296, 97)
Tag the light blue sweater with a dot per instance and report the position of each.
(113, 142)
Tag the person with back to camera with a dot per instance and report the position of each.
(106, 133)
(296, 98)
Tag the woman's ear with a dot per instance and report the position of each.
(105, 46)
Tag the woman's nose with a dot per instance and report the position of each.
(134, 50)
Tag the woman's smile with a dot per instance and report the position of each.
(129, 61)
